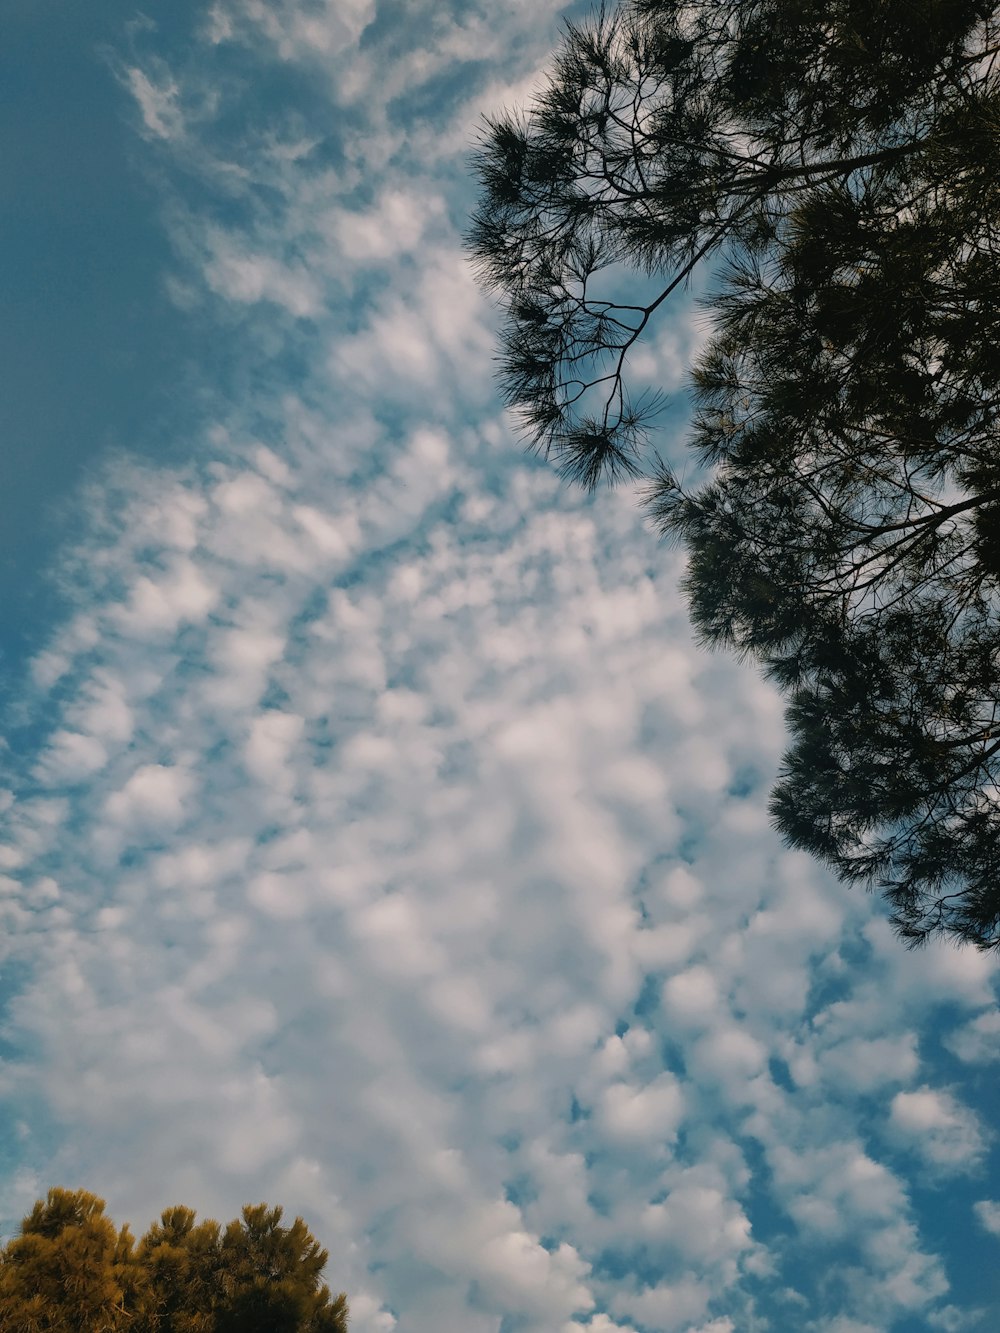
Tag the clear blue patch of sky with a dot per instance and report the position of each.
(949, 1227)
(96, 358)
(94, 355)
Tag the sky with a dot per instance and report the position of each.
(378, 842)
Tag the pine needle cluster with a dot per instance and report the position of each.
(71, 1271)
(836, 165)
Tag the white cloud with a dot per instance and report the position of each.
(832, 1189)
(698, 1219)
(598, 1323)
(158, 103)
(158, 605)
(155, 794)
(937, 1126)
(649, 1115)
(247, 277)
(669, 1306)
(846, 1326)
(71, 756)
(395, 227)
(691, 997)
(988, 1215)
(867, 1063)
(296, 30)
(270, 746)
(953, 1320)
(978, 1042)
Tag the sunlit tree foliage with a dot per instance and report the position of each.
(71, 1271)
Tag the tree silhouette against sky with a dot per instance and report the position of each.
(836, 166)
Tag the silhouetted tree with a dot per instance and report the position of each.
(836, 165)
(70, 1271)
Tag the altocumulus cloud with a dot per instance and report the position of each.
(389, 850)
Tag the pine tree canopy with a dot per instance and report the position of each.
(834, 165)
(70, 1271)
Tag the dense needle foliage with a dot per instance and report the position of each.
(71, 1271)
(836, 165)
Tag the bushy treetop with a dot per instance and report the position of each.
(71, 1271)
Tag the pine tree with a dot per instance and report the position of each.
(70, 1271)
(271, 1278)
(836, 165)
(182, 1274)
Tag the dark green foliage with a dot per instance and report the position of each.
(70, 1272)
(838, 163)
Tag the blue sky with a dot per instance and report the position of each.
(379, 842)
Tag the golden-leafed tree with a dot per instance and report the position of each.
(70, 1271)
